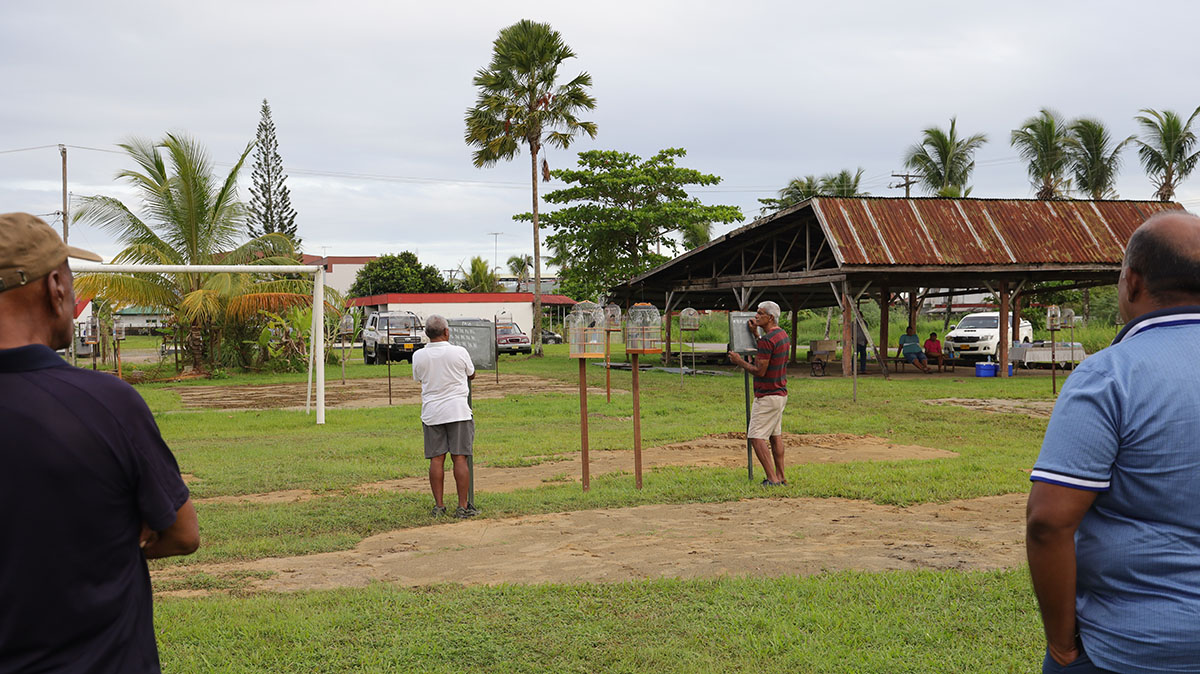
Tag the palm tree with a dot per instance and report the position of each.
(519, 102)
(1166, 149)
(478, 277)
(191, 218)
(843, 184)
(1045, 142)
(944, 162)
(519, 265)
(1095, 164)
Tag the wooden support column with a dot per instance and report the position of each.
(1016, 316)
(847, 332)
(885, 294)
(666, 357)
(795, 327)
(912, 307)
(1002, 352)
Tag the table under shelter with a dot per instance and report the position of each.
(835, 251)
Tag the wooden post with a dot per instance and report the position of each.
(847, 333)
(666, 358)
(637, 425)
(1002, 352)
(749, 443)
(912, 307)
(795, 328)
(583, 423)
(607, 369)
(885, 294)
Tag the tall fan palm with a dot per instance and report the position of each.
(944, 162)
(191, 218)
(1045, 142)
(520, 265)
(1095, 163)
(520, 103)
(1165, 149)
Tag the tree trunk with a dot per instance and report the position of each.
(828, 320)
(537, 258)
(195, 344)
(949, 308)
(1087, 305)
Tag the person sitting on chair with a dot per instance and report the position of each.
(910, 349)
(933, 351)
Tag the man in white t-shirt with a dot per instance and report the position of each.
(444, 371)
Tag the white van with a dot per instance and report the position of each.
(978, 335)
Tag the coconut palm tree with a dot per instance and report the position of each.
(1165, 149)
(944, 162)
(1045, 142)
(520, 102)
(797, 190)
(520, 265)
(190, 218)
(843, 184)
(1094, 161)
(478, 277)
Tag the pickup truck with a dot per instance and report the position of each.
(978, 335)
(392, 335)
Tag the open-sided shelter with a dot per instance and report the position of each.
(830, 251)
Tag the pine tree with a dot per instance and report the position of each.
(270, 200)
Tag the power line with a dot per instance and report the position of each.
(27, 149)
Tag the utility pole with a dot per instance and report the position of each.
(62, 149)
(907, 184)
(495, 251)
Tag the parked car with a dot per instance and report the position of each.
(978, 335)
(392, 335)
(510, 339)
(551, 337)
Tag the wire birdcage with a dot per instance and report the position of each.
(586, 330)
(643, 329)
(612, 318)
(689, 319)
(1053, 317)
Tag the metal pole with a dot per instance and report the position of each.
(470, 459)
(583, 422)
(319, 340)
(1053, 365)
(62, 149)
(637, 425)
(749, 444)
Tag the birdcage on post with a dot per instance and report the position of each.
(643, 330)
(586, 330)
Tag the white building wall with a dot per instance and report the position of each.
(521, 312)
(342, 276)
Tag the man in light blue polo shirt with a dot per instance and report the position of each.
(1113, 521)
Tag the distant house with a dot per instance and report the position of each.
(141, 320)
(340, 270)
(518, 306)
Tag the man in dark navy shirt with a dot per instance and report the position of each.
(88, 488)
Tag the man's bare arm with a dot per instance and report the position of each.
(181, 538)
(1051, 517)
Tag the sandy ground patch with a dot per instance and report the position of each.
(723, 450)
(1033, 408)
(360, 392)
(760, 537)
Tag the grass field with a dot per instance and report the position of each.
(922, 621)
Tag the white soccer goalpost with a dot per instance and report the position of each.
(316, 330)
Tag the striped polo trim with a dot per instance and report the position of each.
(1162, 322)
(1069, 481)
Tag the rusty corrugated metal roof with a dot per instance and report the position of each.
(891, 231)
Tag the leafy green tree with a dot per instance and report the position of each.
(271, 209)
(1095, 162)
(623, 209)
(190, 218)
(519, 266)
(944, 162)
(1044, 141)
(520, 102)
(479, 277)
(1165, 149)
(401, 273)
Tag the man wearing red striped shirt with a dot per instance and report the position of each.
(770, 390)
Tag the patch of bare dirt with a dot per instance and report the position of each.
(727, 450)
(761, 537)
(356, 393)
(1033, 408)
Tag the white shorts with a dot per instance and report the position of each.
(766, 417)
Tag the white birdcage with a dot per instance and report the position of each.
(612, 318)
(689, 319)
(586, 330)
(643, 329)
(1053, 317)
(118, 330)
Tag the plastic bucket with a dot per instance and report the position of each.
(985, 369)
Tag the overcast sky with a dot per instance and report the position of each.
(756, 92)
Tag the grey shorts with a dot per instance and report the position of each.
(456, 437)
